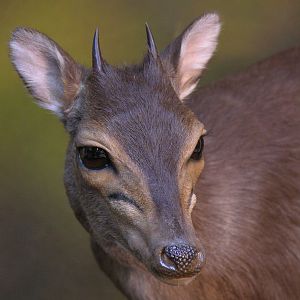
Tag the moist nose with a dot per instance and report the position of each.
(182, 259)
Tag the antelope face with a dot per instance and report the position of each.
(135, 150)
(135, 172)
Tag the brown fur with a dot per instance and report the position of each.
(249, 193)
(247, 214)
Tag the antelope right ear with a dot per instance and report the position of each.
(52, 77)
(186, 57)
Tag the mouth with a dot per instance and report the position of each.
(178, 281)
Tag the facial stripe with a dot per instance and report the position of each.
(124, 198)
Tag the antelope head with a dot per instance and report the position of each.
(135, 150)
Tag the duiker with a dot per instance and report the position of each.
(136, 152)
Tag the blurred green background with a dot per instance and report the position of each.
(44, 252)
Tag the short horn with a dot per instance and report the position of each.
(150, 41)
(96, 53)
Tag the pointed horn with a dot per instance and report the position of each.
(96, 54)
(150, 41)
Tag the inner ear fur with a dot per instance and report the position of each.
(187, 56)
(51, 75)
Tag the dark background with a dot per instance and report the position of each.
(44, 252)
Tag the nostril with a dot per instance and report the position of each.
(167, 263)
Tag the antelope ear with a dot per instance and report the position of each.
(52, 77)
(186, 57)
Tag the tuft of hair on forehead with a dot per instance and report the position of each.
(131, 84)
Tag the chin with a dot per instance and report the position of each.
(178, 281)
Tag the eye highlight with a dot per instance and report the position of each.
(94, 158)
(197, 154)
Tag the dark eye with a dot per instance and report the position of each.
(197, 154)
(94, 158)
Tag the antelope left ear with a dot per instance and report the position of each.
(186, 57)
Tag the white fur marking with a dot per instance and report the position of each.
(193, 203)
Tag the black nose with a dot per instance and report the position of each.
(182, 260)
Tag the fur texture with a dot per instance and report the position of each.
(248, 196)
